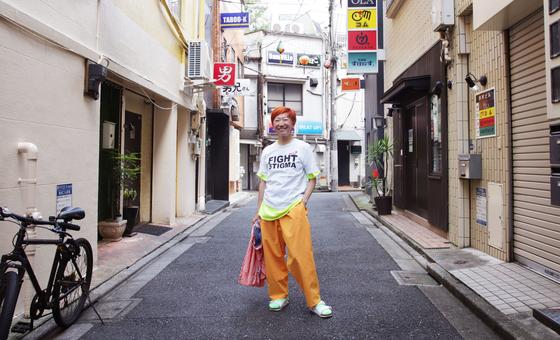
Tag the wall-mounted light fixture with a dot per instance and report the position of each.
(379, 121)
(95, 74)
(392, 110)
(472, 80)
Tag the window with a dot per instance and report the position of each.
(555, 75)
(289, 95)
(436, 153)
(553, 6)
(555, 39)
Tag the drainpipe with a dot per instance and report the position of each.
(29, 182)
(509, 255)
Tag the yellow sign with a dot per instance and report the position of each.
(362, 18)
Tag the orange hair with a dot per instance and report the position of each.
(283, 109)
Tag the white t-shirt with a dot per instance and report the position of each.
(286, 170)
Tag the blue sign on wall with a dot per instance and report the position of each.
(309, 128)
(362, 62)
(235, 20)
(286, 58)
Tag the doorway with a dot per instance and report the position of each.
(343, 147)
(416, 157)
(132, 138)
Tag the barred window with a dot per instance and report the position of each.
(289, 95)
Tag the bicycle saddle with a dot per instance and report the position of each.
(70, 213)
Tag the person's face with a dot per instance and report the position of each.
(283, 125)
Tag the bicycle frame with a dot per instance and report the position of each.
(18, 259)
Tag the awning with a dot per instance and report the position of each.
(406, 89)
(347, 135)
(250, 141)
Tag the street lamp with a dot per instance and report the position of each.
(379, 121)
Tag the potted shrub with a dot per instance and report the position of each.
(378, 154)
(126, 170)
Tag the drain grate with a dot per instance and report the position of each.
(405, 278)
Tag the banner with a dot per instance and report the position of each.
(286, 58)
(242, 87)
(350, 84)
(308, 60)
(362, 62)
(361, 3)
(362, 40)
(362, 18)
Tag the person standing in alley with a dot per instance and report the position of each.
(288, 175)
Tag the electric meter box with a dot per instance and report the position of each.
(108, 135)
(470, 166)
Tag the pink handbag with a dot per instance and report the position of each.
(252, 269)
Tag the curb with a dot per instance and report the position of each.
(47, 326)
(498, 321)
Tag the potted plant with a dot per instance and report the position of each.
(126, 170)
(378, 154)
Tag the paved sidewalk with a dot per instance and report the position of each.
(502, 293)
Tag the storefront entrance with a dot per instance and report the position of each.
(416, 158)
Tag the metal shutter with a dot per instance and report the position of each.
(536, 227)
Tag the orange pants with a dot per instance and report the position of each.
(291, 231)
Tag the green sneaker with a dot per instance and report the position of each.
(322, 310)
(277, 305)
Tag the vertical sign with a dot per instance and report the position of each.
(485, 113)
(63, 196)
(362, 36)
(481, 206)
(224, 74)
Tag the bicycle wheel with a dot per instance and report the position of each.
(71, 286)
(9, 291)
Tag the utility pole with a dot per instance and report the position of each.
(332, 97)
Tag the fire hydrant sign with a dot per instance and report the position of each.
(63, 196)
(485, 113)
(224, 74)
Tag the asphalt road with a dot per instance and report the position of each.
(191, 291)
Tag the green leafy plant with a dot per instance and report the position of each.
(378, 155)
(126, 170)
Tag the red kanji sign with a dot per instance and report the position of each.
(224, 74)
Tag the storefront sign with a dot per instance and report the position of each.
(362, 3)
(350, 84)
(224, 74)
(286, 58)
(481, 206)
(63, 196)
(242, 87)
(362, 18)
(485, 113)
(308, 60)
(309, 128)
(362, 40)
(235, 20)
(362, 62)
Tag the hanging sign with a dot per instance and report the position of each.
(485, 113)
(224, 74)
(362, 18)
(308, 60)
(361, 3)
(362, 62)
(286, 58)
(235, 20)
(362, 40)
(63, 196)
(242, 87)
(350, 84)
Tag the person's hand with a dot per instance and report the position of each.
(255, 219)
(304, 201)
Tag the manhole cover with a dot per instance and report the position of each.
(405, 278)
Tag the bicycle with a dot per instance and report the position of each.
(70, 276)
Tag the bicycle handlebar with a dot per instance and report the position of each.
(6, 213)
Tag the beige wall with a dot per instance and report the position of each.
(407, 37)
(43, 103)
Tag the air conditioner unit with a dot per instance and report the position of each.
(199, 61)
(296, 28)
(443, 14)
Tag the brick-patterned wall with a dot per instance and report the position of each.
(407, 37)
(488, 57)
